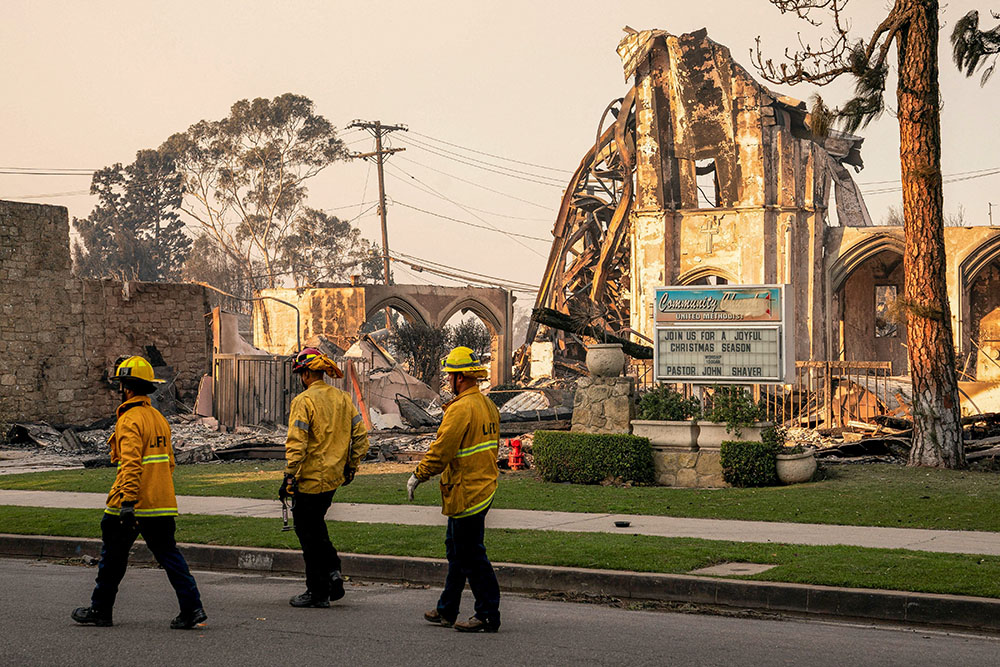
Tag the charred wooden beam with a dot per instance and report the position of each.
(569, 324)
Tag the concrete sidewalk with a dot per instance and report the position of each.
(914, 539)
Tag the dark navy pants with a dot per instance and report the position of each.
(467, 561)
(309, 511)
(159, 535)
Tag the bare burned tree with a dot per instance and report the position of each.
(911, 26)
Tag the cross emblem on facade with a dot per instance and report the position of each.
(710, 228)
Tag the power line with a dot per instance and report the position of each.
(486, 222)
(504, 215)
(337, 208)
(957, 173)
(89, 171)
(472, 224)
(426, 263)
(418, 278)
(946, 180)
(364, 191)
(11, 172)
(468, 280)
(71, 193)
(507, 216)
(499, 157)
(363, 213)
(487, 166)
(473, 183)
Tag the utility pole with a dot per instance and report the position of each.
(990, 204)
(378, 156)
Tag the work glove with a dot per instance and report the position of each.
(127, 515)
(289, 485)
(411, 486)
(349, 471)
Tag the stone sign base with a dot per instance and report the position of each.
(604, 405)
(688, 467)
(686, 453)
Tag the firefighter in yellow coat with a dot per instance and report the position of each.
(465, 453)
(323, 450)
(141, 501)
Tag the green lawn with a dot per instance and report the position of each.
(829, 566)
(864, 495)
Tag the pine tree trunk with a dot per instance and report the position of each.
(937, 433)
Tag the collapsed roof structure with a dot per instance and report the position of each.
(701, 175)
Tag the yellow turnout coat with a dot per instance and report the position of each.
(141, 447)
(465, 453)
(324, 434)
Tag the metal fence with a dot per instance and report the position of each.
(257, 390)
(824, 394)
(830, 394)
(642, 371)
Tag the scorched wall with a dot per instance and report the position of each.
(60, 335)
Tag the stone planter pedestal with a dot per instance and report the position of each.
(603, 404)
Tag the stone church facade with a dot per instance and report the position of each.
(732, 186)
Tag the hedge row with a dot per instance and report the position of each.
(588, 458)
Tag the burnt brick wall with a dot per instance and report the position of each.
(59, 335)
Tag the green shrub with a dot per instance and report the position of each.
(748, 463)
(733, 406)
(664, 403)
(774, 436)
(591, 458)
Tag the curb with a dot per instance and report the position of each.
(946, 611)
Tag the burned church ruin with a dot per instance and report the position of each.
(701, 175)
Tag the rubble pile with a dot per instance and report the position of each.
(194, 440)
(41, 446)
(888, 438)
(396, 446)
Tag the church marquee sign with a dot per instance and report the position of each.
(730, 334)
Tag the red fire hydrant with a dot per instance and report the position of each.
(515, 459)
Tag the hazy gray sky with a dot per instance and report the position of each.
(87, 84)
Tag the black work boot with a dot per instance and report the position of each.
(188, 619)
(336, 586)
(90, 616)
(476, 624)
(308, 599)
(434, 616)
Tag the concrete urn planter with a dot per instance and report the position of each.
(605, 360)
(796, 468)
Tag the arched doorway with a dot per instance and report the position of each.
(867, 280)
(471, 319)
(981, 311)
(409, 312)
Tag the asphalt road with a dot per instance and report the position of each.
(250, 623)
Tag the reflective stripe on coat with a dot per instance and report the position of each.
(325, 432)
(141, 447)
(465, 453)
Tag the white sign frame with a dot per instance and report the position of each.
(785, 326)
